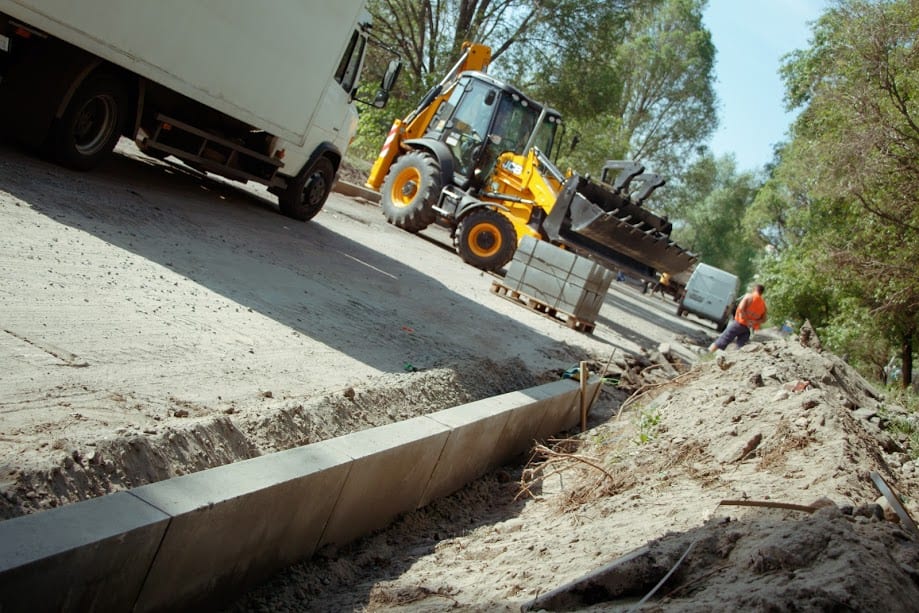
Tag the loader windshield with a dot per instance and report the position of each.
(482, 118)
(514, 123)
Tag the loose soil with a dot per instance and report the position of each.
(156, 322)
(676, 474)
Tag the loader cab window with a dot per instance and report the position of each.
(546, 133)
(349, 69)
(444, 112)
(462, 122)
(513, 123)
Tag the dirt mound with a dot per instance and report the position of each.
(817, 563)
(774, 424)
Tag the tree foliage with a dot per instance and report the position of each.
(428, 36)
(646, 76)
(711, 201)
(632, 77)
(855, 154)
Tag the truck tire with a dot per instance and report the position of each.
(486, 239)
(410, 191)
(306, 195)
(91, 124)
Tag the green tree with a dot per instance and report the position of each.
(428, 36)
(710, 202)
(645, 78)
(633, 77)
(855, 153)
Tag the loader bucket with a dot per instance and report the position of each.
(595, 221)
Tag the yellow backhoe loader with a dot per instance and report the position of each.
(474, 156)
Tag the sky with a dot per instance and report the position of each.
(750, 37)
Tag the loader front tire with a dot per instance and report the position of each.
(410, 191)
(486, 239)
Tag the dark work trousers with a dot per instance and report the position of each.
(734, 332)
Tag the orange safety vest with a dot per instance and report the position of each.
(751, 311)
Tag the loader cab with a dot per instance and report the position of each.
(482, 118)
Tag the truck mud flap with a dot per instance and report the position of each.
(593, 220)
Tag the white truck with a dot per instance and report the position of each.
(252, 91)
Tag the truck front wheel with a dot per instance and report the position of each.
(306, 195)
(410, 191)
(486, 239)
(92, 123)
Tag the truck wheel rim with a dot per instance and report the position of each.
(405, 187)
(94, 124)
(315, 189)
(484, 240)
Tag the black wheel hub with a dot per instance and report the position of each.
(485, 240)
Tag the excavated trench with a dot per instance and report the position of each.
(89, 469)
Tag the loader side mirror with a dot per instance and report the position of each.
(386, 84)
(380, 100)
(392, 74)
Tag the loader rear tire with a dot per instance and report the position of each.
(410, 191)
(486, 239)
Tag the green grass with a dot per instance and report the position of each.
(649, 421)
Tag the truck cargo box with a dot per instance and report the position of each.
(260, 63)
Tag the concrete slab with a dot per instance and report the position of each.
(523, 426)
(235, 525)
(203, 539)
(472, 448)
(355, 191)
(392, 467)
(563, 412)
(87, 556)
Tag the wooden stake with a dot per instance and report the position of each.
(602, 375)
(582, 369)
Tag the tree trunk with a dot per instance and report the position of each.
(906, 356)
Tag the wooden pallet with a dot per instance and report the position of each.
(538, 306)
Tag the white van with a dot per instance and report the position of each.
(710, 294)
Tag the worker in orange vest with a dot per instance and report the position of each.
(750, 314)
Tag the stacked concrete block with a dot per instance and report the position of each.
(560, 279)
